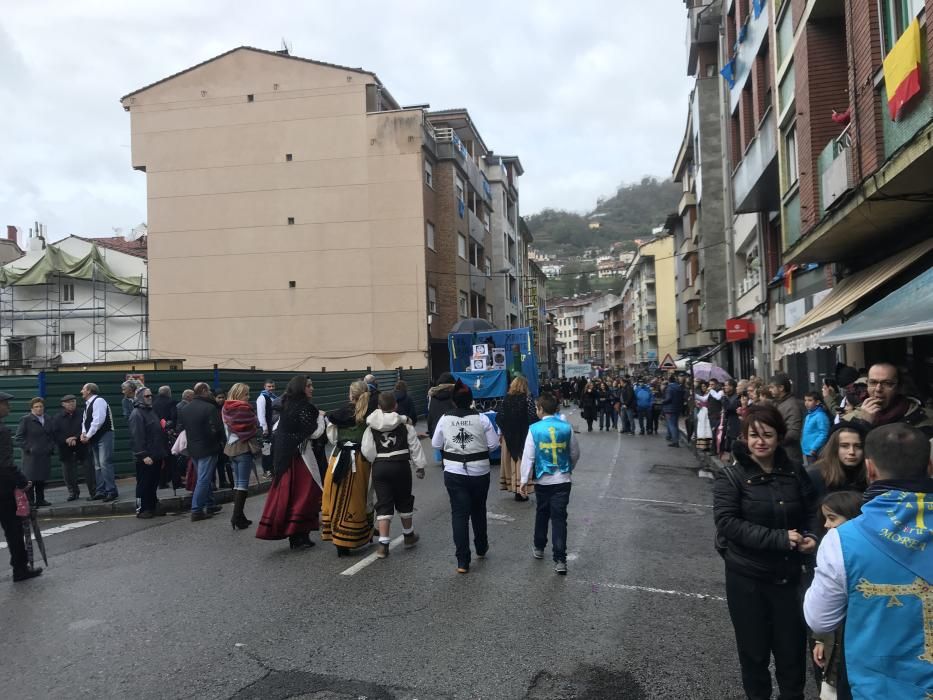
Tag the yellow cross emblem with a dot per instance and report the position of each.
(919, 588)
(553, 446)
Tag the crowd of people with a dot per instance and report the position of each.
(822, 514)
(822, 508)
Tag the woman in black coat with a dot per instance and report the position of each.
(517, 413)
(440, 400)
(731, 423)
(763, 506)
(406, 406)
(589, 405)
(34, 435)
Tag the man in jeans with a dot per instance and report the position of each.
(672, 405)
(205, 432)
(97, 434)
(552, 451)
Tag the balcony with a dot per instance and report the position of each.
(477, 230)
(835, 167)
(756, 31)
(755, 180)
(702, 28)
(448, 145)
(650, 301)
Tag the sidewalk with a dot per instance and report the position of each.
(169, 500)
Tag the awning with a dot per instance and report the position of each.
(905, 312)
(823, 317)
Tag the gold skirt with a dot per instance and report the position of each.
(346, 519)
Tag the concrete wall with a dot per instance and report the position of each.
(221, 194)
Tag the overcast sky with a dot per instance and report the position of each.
(589, 94)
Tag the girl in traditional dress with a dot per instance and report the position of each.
(294, 500)
(518, 412)
(347, 518)
(704, 433)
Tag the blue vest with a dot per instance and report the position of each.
(888, 556)
(552, 446)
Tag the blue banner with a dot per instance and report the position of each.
(491, 384)
(728, 72)
(758, 5)
(519, 353)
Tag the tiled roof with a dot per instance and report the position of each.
(120, 244)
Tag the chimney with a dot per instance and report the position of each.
(12, 233)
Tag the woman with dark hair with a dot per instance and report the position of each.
(34, 436)
(347, 514)
(294, 499)
(763, 506)
(841, 466)
(517, 413)
(406, 406)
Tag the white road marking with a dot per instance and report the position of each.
(500, 516)
(61, 528)
(651, 500)
(363, 563)
(705, 474)
(647, 589)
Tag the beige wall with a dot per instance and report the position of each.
(220, 192)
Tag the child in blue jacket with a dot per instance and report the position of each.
(816, 427)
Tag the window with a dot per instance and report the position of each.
(68, 342)
(432, 300)
(488, 267)
(249, 98)
(460, 190)
(461, 246)
(489, 312)
(428, 173)
(429, 230)
(790, 156)
(288, 157)
(68, 294)
(476, 254)
(896, 16)
(291, 220)
(463, 304)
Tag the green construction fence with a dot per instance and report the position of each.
(330, 391)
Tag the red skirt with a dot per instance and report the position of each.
(293, 505)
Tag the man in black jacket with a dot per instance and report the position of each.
(150, 447)
(12, 478)
(672, 405)
(66, 429)
(206, 437)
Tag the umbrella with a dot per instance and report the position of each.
(704, 371)
(472, 325)
(37, 533)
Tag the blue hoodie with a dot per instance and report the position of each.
(815, 431)
(643, 396)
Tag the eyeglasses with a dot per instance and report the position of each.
(874, 383)
(147, 396)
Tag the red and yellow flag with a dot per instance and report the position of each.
(902, 70)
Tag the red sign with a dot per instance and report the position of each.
(739, 329)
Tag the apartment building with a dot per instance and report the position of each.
(649, 304)
(306, 219)
(612, 335)
(854, 163)
(702, 271)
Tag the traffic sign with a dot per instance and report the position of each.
(668, 363)
(653, 367)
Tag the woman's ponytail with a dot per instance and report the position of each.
(359, 393)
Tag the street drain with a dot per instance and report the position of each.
(672, 509)
(304, 685)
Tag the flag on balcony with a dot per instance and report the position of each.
(789, 278)
(758, 6)
(902, 70)
(728, 72)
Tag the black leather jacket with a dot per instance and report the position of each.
(10, 476)
(754, 519)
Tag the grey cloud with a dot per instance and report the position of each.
(588, 94)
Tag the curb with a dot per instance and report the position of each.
(172, 504)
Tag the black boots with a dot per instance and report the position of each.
(238, 520)
(39, 487)
(300, 541)
(25, 573)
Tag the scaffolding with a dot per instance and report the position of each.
(34, 316)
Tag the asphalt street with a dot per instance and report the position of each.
(167, 608)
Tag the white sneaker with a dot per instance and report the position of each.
(561, 568)
(537, 553)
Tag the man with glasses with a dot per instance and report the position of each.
(150, 447)
(885, 404)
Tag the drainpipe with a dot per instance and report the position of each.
(727, 203)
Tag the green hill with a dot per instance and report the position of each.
(631, 213)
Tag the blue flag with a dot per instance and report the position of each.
(758, 5)
(728, 72)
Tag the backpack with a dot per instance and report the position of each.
(720, 542)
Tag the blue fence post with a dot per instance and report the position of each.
(42, 384)
(216, 378)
